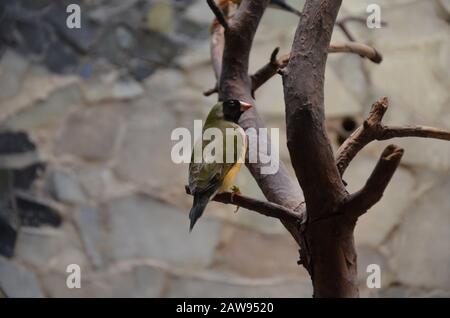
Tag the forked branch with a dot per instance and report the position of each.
(373, 129)
(275, 64)
(373, 190)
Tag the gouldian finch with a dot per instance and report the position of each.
(207, 178)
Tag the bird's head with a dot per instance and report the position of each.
(233, 109)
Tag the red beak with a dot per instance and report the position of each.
(245, 106)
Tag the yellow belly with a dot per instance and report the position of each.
(229, 178)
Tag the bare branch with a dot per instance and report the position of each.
(269, 70)
(372, 129)
(375, 186)
(357, 48)
(211, 91)
(413, 131)
(275, 65)
(218, 13)
(362, 135)
(262, 207)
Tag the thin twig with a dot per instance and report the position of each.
(218, 13)
(262, 207)
(362, 50)
(211, 91)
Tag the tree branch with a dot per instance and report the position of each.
(269, 70)
(373, 190)
(218, 13)
(362, 50)
(275, 65)
(269, 209)
(373, 129)
(303, 81)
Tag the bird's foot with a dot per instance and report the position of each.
(235, 191)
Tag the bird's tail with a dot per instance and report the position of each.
(199, 205)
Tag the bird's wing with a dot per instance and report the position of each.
(204, 176)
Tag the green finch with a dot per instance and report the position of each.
(209, 176)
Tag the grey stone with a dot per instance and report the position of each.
(103, 14)
(418, 250)
(164, 83)
(83, 38)
(355, 82)
(60, 58)
(159, 48)
(139, 281)
(17, 151)
(48, 112)
(141, 227)
(110, 88)
(94, 180)
(48, 248)
(12, 72)
(36, 212)
(196, 288)
(89, 222)
(90, 133)
(127, 89)
(144, 154)
(65, 188)
(18, 282)
(161, 18)
(124, 37)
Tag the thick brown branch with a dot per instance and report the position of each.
(375, 186)
(262, 207)
(303, 81)
(373, 129)
(218, 13)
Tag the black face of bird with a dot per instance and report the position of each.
(233, 109)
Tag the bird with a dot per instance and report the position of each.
(207, 178)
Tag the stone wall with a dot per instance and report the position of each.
(100, 107)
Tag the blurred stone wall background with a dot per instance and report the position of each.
(86, 175)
